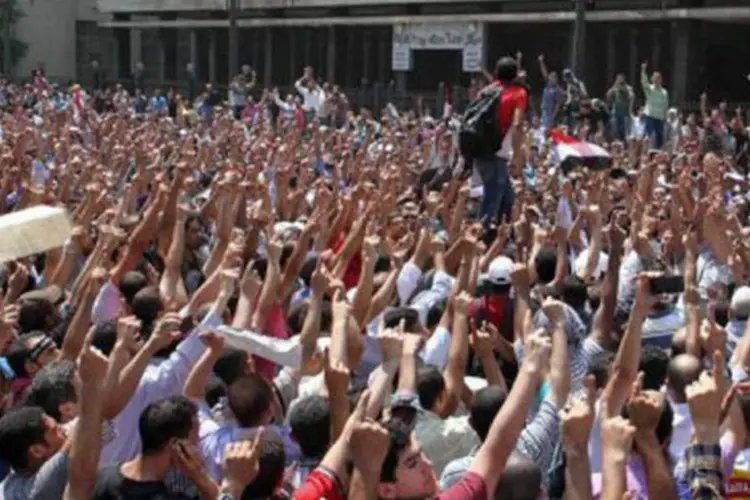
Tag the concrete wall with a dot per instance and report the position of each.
(49, 29)
(109, 6)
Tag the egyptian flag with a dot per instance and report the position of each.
(571, 151)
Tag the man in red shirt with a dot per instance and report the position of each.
(498, 188)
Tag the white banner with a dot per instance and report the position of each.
(401, 57)
(444, 36)
(472, 57)
(466, 37)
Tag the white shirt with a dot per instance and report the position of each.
(161, 379)
(312, 99)
(682, 431)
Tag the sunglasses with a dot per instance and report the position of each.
(36, 351)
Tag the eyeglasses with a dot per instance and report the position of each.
(36, 351)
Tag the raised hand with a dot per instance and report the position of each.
(483, 339)
(577, 418)
(391, 344)
(462, 302)
(166, 331)
(214, 341)
(537, 351)
(644, 407)
(241, 462)
(554, 310)
(705, 401)
(617, 437)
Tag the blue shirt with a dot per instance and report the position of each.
(159, 103)
(551, 97)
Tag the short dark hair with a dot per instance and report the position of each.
(393, 316)
(249, 398)
(430, 385)
(164, 420)
(506, 69)
(574, 292)
(132, 283)
(147, 304)
(20, 428)
(400, 433)
(545, 264)
(654, 362)
(271, 466)
(521, 479)
(599, 368)
(105, 336)
(53, 386)
(16, 353)
(231, 364)
(310, 421)
(485, 406)
(33, 314)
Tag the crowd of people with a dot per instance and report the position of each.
(269, 297)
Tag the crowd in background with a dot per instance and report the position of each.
(269, 296)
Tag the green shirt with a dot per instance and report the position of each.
(621, 97)
(657, 99)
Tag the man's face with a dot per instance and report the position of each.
(657, 78)
(42, 351)
(552, 79)
(414, 476)
(54, 438)
(620, 80)
(193, 235)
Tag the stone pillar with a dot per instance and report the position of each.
(162, 48)
(193, 59)
(611, 55)
(634, 63)
(383, 59)
(136, 47)
(212, 55)
(294, 71)
(331, 55)
(267, 58)
(656, 48)
(308, 49)
(366, 54)
(401, 87)
(681, 52)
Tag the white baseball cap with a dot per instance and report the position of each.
(499, 271)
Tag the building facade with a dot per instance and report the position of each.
(699, 45)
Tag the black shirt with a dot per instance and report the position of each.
(112, 485)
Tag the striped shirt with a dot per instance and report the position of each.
(537, 442)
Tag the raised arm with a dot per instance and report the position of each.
(625, 366)
(603, 317)
(644, 80)
(490, 460)
(86, 443)
(543, 67)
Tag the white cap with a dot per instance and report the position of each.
(601, 267)
(740, 303)
(499, 271)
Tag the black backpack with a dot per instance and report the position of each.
(479, 135)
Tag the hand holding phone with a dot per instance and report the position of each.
(667, 285)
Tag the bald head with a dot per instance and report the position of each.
(521, 479)
(682, 371)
